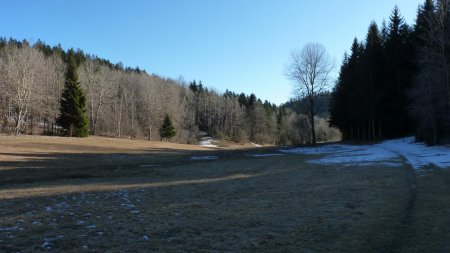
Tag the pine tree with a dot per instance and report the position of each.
(167, 129)
(243, 101)
(193, 86)
(372, 64)
(430, 94)
(73, 117)
(398, 74)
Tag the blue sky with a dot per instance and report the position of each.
(241, 45)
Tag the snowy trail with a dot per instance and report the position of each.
(389, 153)
(418, 154)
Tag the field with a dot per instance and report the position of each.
(109, 195)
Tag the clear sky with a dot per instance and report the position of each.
(241, 45)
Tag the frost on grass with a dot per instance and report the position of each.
(387, 153)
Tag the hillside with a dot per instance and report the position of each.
(126, 102)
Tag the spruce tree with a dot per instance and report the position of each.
(167, 129)
(398, 75)
(73, 117)
(372, 65)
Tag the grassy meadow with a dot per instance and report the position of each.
(109, 195)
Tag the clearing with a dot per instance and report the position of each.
(99, 194)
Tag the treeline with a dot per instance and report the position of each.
(128, 102)
(396, 82)
(322, 104)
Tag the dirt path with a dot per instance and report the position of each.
(402, 237)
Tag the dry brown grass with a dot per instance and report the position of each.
(92, 144)
(79, 195)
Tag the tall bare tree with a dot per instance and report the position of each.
(309, 69)
(21, 69)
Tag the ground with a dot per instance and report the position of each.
(99, 194)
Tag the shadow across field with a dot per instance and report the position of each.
(162, 200)
(40, 167)
(235, 203)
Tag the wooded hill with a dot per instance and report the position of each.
(128, 102)
(396, 81)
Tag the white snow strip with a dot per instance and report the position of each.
(386, 153)
(9, 228)
(418, 154)
(254, 144)
(267, 155)
(212, 157)
(207, 142)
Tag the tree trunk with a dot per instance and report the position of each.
(313, 132)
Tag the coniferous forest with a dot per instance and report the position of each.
(396, 82)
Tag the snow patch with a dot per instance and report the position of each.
(254, 144)
(211, 157)
(268, 155)
(418, 154)
(208, 142)
(387, 153)
(9, 228)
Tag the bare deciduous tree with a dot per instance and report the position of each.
(129, 103)
(21, 69)
(310, 69)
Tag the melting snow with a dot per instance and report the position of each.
(9, 228)
(267, 155)
(386, 153)
(418, 154)
(211, 157)
(207, 142)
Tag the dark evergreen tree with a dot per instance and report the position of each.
(398, 75)
(3, 42)
(193, 86)
(200, 87)
(167, 129)
(430, 105)
(424, 24)
(372, 64)
(243, 100)
(73, 116)
(338, 110)
(252, 100)
(370, 99)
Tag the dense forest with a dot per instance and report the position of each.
(126, 102)
(396, 81)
